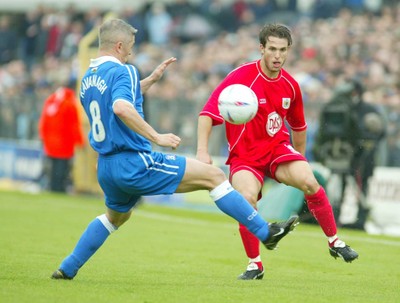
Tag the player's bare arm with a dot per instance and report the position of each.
(128, 114)
(156, 75)
(299, 140)
(204, 128)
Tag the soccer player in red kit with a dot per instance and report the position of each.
(262, 147)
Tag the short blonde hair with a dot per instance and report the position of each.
(113, 31)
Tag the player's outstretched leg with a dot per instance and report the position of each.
(278, 230)
(92, 239)
(232, 203)
(254, 269)
(321, 209)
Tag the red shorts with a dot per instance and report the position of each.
(265, 163)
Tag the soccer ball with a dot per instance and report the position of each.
(237, 104)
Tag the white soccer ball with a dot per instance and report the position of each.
(237, 104)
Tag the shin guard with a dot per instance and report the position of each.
(321, 209)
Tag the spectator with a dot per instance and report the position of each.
(261, 9)
(8, 43)
(31, 29)
(136, 18)
(221, 14)
(60, 131)
(70, 44)
(159, 24)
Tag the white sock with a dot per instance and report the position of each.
(107, 224)
(336, 241)
(256, 259)
(221, 190)
(339, 243)
(332, 239)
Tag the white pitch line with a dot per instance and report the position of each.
(169, 218)
(365, 238)
(195, 221)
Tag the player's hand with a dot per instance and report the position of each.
(159, 71)
(168, 140)
(204, 157)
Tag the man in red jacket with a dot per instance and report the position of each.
(60, 131)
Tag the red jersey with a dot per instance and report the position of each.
(279, 100)
(59, 125)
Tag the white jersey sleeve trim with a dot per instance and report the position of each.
(134, 79)
(123, 100)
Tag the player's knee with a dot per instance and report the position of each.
(217, 176)
(249, 197)
(117, 219)
(310, 185)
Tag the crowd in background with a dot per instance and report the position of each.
(333, 40)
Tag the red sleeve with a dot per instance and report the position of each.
(211, 110)
(295, 116)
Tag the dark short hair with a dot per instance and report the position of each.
(275, 30)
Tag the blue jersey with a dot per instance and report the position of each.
(106, 81)
(127, 167)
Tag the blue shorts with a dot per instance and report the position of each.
(126, 176)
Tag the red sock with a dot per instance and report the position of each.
(319, 206)
(259, 265)
(333, 243)
(251, 244)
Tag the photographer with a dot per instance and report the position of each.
(347, 141)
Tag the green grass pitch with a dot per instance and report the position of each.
(166, 254)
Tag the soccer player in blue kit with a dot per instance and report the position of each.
(111, 94)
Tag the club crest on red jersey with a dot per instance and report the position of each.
(285, 103)
(274, 123)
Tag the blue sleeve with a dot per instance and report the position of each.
(127, 84)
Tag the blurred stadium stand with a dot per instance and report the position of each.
(43, 43)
